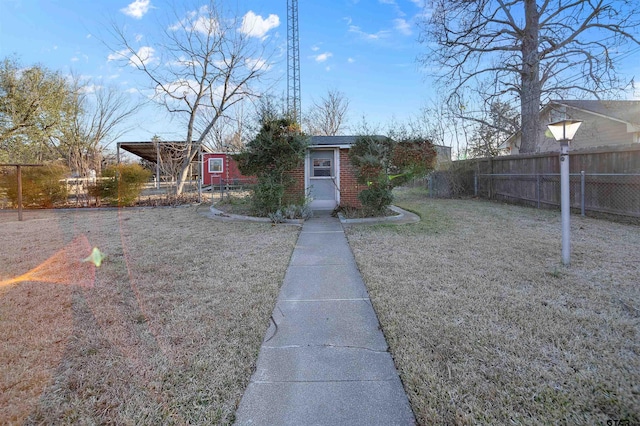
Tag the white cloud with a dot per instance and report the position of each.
(179, 88)
(387, 2)
(139, 37)
(402, 26)
(323, 56)
(137, 9)
(368, 36)
(205, 25)
(80, 56)
(201, 21)
(187, 89)
(90, 88)
(120, 54)
(351, 60)
(144, 56)
(255, 26)
(315, 48)
(257, 64)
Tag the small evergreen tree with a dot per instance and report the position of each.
(278, 148)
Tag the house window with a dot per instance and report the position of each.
(321, 167)
(215, 165)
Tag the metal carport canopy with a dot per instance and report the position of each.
(147, 149)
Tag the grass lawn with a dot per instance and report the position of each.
(487, 327)
(166, 331)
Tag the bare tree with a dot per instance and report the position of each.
(97, 119)
(328, 116)
(229, 132)
(501, 122)
(206, 62)
(170, 156)
(529, 50)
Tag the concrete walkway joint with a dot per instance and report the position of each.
(324, 360)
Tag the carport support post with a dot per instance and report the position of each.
(157, 165)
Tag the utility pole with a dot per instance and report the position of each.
(293, 61)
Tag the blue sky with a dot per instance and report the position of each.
(366, 49)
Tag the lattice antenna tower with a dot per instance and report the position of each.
(293, 61)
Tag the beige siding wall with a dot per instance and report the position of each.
(595, 131)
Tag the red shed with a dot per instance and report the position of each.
(220, 166)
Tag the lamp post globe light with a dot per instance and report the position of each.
(564, 131)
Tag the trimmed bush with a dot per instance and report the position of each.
(122, 186)
(375, 199)
(383, 164)
(41, 186)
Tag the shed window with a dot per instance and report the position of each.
(215, 165)
(321, 167)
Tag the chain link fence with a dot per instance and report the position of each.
(237, 187)
(591, 193)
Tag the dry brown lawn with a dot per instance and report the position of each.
(166, 331)
(487, 327)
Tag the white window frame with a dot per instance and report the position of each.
(322, 167)
(215, 160)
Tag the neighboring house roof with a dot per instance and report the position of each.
(625, 111)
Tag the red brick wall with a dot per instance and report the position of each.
(296, 192)
(349, 186)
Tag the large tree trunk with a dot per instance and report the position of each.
(184, 169)
(531, 87)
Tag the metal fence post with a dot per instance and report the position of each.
(431, 186)
(475, 184)
(582, 196)
(538, 179)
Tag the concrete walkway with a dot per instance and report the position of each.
(324, 360)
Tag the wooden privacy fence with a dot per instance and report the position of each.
(603, 181)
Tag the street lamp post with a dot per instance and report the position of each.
(564, 131)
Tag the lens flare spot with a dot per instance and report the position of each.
(96, 257)
(64, 266)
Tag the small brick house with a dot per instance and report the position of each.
(327, 176)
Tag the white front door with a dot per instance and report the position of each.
(322, 182)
